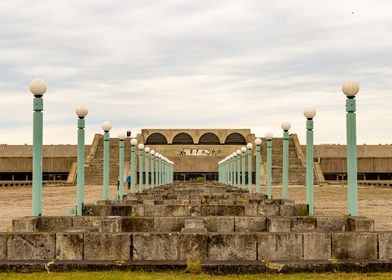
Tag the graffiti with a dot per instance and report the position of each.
(197, 152)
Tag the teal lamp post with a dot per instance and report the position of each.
(230, 163)
(238, 160)
(152, 163)
(37, 88)
(141, 156)
(157, 169)
(234, 169)
(309, 114)
(133, 164)
(147, 163)
(285, 172)
(269, 137)
(250, 147)
(258, 164)
(243, 151)
(121, 138)
(106, 126)
(81, 112)
(350, 89)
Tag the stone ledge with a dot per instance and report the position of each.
(210, 267)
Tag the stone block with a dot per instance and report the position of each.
(107, 246)
(123, 210)
(317, 246)
(385, 245)
(251, 209)
(294, 210)
(279, 246)
(25, 224)
(250, 224)
(54, 223)
(168, 224)
(3, 246)
(330, 223)
(230, 247)
(194, 225)
(31, 246)
(110, 224)
(80, 222)
(222, 210)
(269, 207)
(137, 224)
(193, 247)
(69, 246)
(360, 224)
(303, 223)
(354, 245)
(278, 224)
(219, 224)
(152, 246)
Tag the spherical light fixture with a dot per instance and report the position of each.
(238, 152)
(133, 141)
(350, 88)
(38, 87)
(140, 146)
(269, 135)
(243, 149)
(250, 146)
(81, 111)
(106, 126)
(122, 136)
(285, 125)
(152, 152)
(258, 141)
(310, 112)
(147, 149)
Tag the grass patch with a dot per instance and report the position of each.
(121, 275)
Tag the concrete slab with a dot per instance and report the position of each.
(219, 224)
(279, 246)
(3, 245)
(152, 246)
(193, 247)
(69, 246)
(250, 224)
(316, 246)
(232, 247)
(278, 224)
(354, 245)
(107, 246)
(360, 224)
(385, 245)
(31, 246)
(168, 224)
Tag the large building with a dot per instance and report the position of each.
(195, 153)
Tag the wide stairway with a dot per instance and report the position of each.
(227, 229)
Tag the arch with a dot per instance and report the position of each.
(156, 139)
(182, 138)
(235, 139)
(209, 139)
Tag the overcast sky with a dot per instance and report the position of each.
(195, 64)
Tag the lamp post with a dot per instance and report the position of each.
(141, 148)
(238, 160)
(152, 168)
(121, 137)
(258, 164)
(269, 137)
(147, 162)
(285, 172)
(243, 150)
(133, 164)
(81, 112)
(106, 126)
(234, 164)
(37, 88)
(350, 89)
(157, 169)
(250, 147)
(309, 114)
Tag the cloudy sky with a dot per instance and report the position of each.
(195, 64)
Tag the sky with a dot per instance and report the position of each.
(195, 64)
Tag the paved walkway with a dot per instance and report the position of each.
(374, 202)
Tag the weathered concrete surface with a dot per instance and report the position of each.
(354, 245)
(250, 224)
(360, 224)
(152, 246)
(219, 224)
(232, 247)
(31, 246)
(193, 247)
(316, 246)
(3, 246)
(278, 224)
(279, 246)
(107, 246)
(69, 246)
(385, 245)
